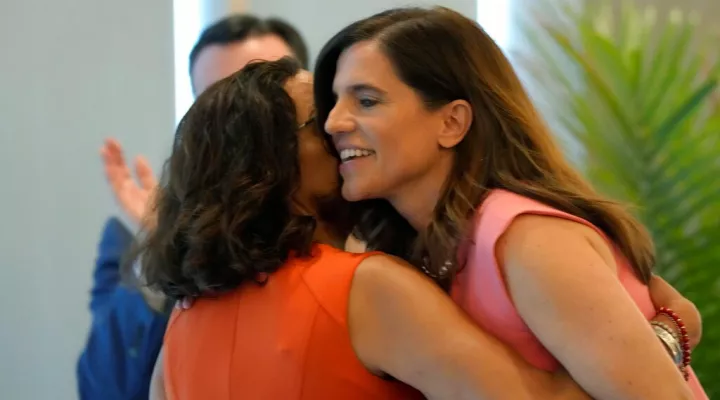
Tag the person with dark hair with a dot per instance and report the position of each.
(229, 44)
(128, 324)
(462, 178)
(281, 312)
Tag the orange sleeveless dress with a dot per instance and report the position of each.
(285, 340)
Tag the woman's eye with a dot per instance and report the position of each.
(367, 103)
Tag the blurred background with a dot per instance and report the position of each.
(630, 87)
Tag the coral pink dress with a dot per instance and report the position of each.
(480, 288)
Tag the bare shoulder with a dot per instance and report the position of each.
(385, 272)
(391, 295)
(534, 227)
(386, 297)
(532, 238)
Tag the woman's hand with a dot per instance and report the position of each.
(185, 303)
(664, 295)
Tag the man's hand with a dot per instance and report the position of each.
(133, 198)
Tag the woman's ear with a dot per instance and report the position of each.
(458, 117)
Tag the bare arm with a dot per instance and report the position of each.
(157, 386)
(662, 294)
(567, 291)
(402, 324)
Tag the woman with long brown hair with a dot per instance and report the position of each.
(436, 133)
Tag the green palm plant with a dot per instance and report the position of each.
(633, 94)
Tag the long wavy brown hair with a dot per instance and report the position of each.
(223, 208)
(445, 56)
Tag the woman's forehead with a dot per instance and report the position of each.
(300, 89)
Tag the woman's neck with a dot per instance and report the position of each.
(325, 232)
(326, 235)
(416, 200)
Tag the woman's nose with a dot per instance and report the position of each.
(339, 121)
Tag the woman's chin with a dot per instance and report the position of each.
(352, 193)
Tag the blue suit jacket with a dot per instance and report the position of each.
(125, 335)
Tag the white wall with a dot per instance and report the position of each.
(318, 20)
(71, 73)
(190, 18)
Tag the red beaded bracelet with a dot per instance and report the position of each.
(684, 339)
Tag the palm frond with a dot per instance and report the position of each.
(637, 91)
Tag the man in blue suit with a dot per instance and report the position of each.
(128, 323)
(126, 332)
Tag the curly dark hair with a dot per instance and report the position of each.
(223, 205)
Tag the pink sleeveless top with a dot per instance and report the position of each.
(480, 288)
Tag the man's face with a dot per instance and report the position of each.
(216, 62)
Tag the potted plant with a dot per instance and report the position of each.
(633, 95)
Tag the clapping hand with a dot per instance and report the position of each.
(131, 193)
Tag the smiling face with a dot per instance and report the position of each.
(385, 134)
(437, 89)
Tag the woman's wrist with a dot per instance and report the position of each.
(672, 333)
(670, 341)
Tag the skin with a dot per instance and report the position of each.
(560, 274)
(370, 114)
(400, 322)
(216, 61)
